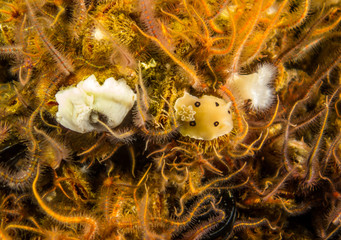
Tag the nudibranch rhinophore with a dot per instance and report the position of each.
(80, 106)
(204, 118)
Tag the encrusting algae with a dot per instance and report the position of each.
(180, 119)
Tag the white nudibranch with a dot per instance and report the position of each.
(255, 86)
(203, 118)
(80, 107)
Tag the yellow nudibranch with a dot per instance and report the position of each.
(203, 118)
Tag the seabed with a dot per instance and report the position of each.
(177, 119)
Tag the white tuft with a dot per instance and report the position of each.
(255, 87)
(273, 9)
(77, 105)
(98, 34)
(263, 95)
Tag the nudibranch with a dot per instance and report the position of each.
(203, 118)
(255, 87)
(80, 106)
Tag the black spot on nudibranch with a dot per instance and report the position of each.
(192, 123)
(197, 104)
(216, 123)
(216, 104)
(229, 112)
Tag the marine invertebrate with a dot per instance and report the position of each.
(65, 66)
(255, 86)
(205, 118)
(273, 64)
(80, 107)
(89, 232)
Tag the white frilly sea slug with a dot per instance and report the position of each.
(80, 106)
